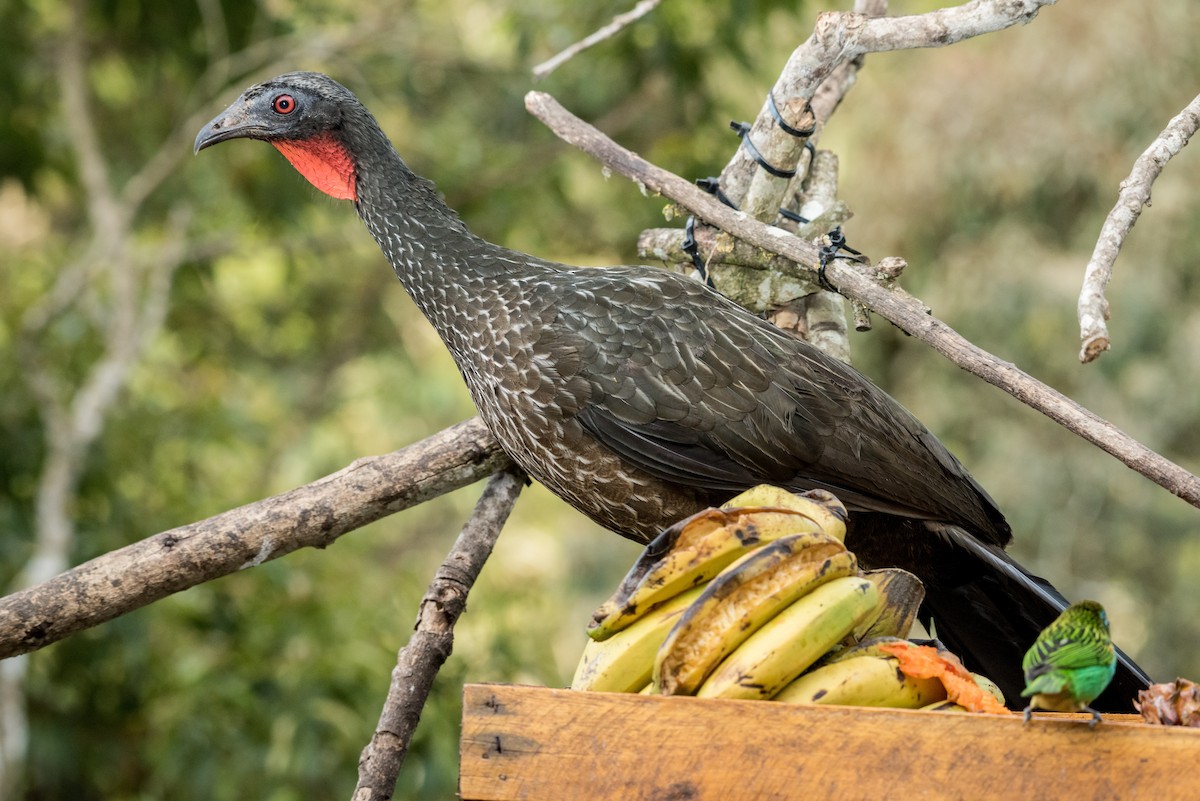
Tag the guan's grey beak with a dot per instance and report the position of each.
(233, 123)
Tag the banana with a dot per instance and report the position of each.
(777, 653)
(741, 599)
(902, 594)
(623, 663)
(989, 685)
(694, 550)
(821, 506)
(863, 681)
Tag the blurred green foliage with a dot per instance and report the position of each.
(289, 349)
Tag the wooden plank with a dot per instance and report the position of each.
(539, 744)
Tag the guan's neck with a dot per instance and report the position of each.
(448, 271)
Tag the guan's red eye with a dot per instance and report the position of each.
(284, 104)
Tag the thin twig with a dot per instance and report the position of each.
(860, 283)
(418, 662)
(313, 515)
(608, 31)
(1134, 195)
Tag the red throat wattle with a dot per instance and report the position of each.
(324, 161)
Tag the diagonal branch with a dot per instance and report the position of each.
(418, 662)
(861, 284)
(1133, 197)
(619, 22)
(310, 516)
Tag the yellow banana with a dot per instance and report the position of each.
(694, 550)
(819, 505)
(623, 663)
(863, 681)
(745, 596)
(902, 594)
(782, 649)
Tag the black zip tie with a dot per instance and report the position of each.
(692, 248)
(827, 253)
(713, 187)
(743, 131)
(793, 216)
(796, 132)
(839, 239)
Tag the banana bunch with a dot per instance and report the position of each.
(760, 599)
(696, 549)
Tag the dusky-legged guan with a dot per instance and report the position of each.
(640, 396)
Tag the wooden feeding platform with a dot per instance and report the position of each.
(540, 744)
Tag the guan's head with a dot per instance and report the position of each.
(312, 119)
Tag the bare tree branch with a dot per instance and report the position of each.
(1134, 195)
(844, 37)
(310, 516)
(418, 662)
(862, 284)
(944, 26)
(618, 23)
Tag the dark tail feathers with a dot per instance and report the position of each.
(991, 610)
